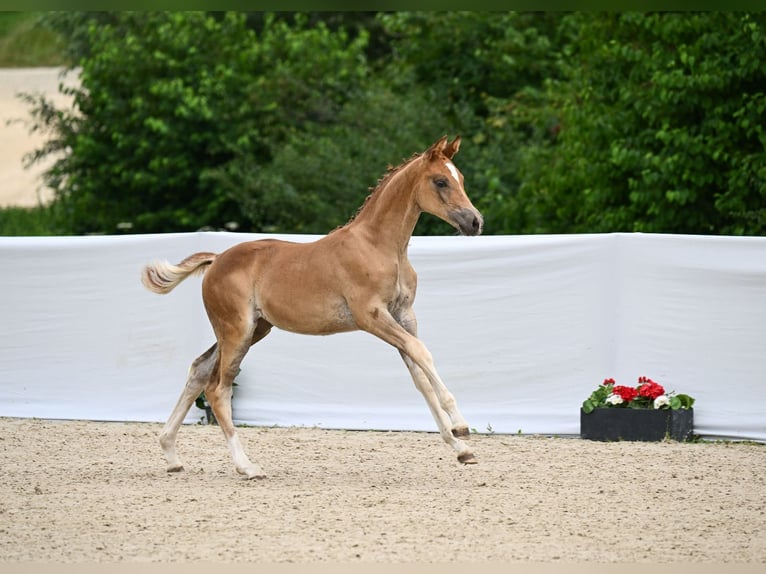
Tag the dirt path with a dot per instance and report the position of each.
(20, 186)
(97, 492)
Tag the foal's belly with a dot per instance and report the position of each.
(310, 317)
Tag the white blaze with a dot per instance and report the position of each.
(453, 170)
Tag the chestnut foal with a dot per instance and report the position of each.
(358, 277)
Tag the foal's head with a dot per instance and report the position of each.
(439, 189)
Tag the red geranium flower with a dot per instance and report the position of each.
(650, 389)
(627, 394)
(608, 382)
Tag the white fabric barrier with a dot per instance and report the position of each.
(522, 329)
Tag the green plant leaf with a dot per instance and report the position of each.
(686, 401)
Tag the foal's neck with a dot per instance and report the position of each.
(391, 212)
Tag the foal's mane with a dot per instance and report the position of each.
(382, 182)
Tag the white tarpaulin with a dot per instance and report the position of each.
(522, 329)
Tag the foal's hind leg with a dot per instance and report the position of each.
(218, 393)
(200, 372)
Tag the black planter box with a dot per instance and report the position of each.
(636, 424)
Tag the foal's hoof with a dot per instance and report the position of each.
(175, 468)
(461, 432)
(252, 473)
(467, 458)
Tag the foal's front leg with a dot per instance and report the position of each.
(447, 428)
(420, 363)
(408, 321)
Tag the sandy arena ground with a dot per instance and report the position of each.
(74, 491)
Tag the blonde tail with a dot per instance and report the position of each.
(162, 277)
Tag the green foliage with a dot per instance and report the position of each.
(662, 127)
(23, 221)
(26, 43)
(597, 398)
(572, 122)
(467, 58)
(486, 80)
(319, 177)
(681, 402)
(168, 100)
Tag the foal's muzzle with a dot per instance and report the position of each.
(467, 220)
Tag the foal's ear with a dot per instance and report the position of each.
(452, 148)
(434, 151)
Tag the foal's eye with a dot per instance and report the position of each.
(441, 183)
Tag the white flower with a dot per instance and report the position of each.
(614, 399)
(661, 401)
